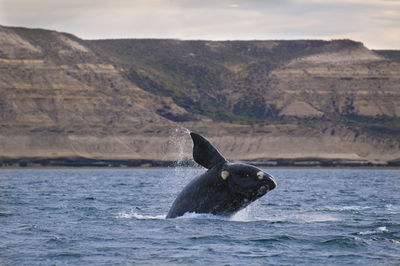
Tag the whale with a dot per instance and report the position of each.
(224, 189)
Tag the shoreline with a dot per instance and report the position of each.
(184, 167)
(82, 162)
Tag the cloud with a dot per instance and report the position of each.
(363, 20)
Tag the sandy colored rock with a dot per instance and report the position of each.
(61, 96)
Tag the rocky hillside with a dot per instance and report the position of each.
(265, 101)
(252, 81)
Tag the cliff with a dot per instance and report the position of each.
(263, 101)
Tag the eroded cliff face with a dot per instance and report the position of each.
(352, 81)
(61, 96)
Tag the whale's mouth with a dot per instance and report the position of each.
(271, 183)
(262, 190)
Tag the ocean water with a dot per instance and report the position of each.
(117, 217)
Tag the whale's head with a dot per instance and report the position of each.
(247, 180)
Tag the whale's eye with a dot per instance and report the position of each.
(224, 175)
(260, 175)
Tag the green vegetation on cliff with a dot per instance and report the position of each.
(258, 81)
(226, 81)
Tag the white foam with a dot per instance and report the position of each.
(252, 213)
(316, 218)
(123, 214)
(348, 208)
(380, 229)
(246, 215)
(135, 215)
(148, 217)
(194, 215)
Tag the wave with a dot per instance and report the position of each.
(345, 242)
(393, 209)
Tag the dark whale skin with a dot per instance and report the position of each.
(210, 193)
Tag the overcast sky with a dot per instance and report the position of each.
(376, 23)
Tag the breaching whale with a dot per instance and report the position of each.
(224, 188)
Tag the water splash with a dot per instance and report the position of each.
(245, 215)
(207, 216)
(189, 215)
(181, 146)
(132, 214)
(181, 143)
(248, 214)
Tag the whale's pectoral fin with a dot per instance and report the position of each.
(204, 153)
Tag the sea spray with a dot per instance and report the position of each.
(179, 173)
(181, 141)
(248, 214)
(133, 214)
(182, 145)
(184, 168)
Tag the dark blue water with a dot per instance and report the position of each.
(108, 217)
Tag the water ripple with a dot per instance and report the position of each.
(118, 217)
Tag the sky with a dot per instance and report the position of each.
(376, 23)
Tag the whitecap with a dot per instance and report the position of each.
(381, 229)
(123, 214)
